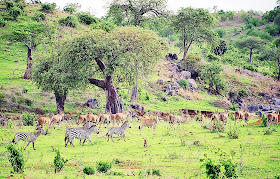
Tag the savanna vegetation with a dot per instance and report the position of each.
(53, 61)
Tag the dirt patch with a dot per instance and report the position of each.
(274, 157)
(257, 123)
(128, 164)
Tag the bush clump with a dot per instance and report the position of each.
(89, 170)
(48, 7)
(233, 133)
(69, 21)
(39, 16)
(15, 12)
(2, 22)
(103, 166)
(86, 18)
(184, 84)
(28, 119)
(59, 162)
(15, 157)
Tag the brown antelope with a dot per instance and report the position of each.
(113, 118)
(149, 122)
(82, 119)
(43, 120)
(215, 117)
(246, 117)
(93, 117)
(223, 117)
(57, 118)
(201, 119)
(173, 119)
(239, 115)
(121, 117)
(272, 117)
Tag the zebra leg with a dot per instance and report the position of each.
(108, 137)
(83, 142)
(80, 141)
(112, 138)
(33, 146)
(154, 130)
(89, 140)
(71, 142)
(27, 144)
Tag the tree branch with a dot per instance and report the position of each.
(99, 83)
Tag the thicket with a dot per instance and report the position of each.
(103, 167)
(86, 18)
(69, 21)
(58, 161)
(16, 158)
(28, 119)
(48, 7)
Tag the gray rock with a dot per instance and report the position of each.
(164, 98)
(264, 107)
(276, 101)
(185, 74)
(192, 85)
(254, 108)
(160, 81)
(171, 92)
(92, 103)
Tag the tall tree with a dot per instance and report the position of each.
(56, 73)
(132, 12)
(114, 56)
(30, 34)
(193, 27)
(251, 43)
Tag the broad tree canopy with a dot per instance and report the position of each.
(193, 27)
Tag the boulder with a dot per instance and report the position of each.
(276, 101)
(254, 108)
(160, 81)
(164, 98)
(185, 74)
(264, 107)
(192, 84)
(92, 103)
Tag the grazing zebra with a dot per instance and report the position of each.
(79, 133)
(118, 130)
(31, 137)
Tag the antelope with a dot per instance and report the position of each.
(120, 117)
(146, 121)
(104, 118)
(43, 120)
(56, 119)
(271, 117)
(223, 117)
(239, 115)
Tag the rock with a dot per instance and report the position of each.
(185, 74)
(254, 108)
(192, 84)
(160, 81)
(92, 103)
(171, 92)
(276, 101)
(163, 98)
(175, 86)
(264, 107)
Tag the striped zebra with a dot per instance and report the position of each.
(118, 130)
(29, 136)
(79, 133)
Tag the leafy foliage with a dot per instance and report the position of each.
(48, 7)
(2, 22)
(103, 166)
(28, 119)
(72, 8)
(15, 12)
(89, 170)
(184, 84)
(69, 21)
(58, 161)
(39, 16)
(211, 75)
(193, 64)
(86, 18)
(16, 158)
(221, 48)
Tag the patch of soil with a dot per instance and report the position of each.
(129, 164)
(274, 157)
(257, 123)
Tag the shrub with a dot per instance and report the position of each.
(116, 161)
(156, 172)
(233, 133)
(9, 4)
(28, 119)
(243, 93)
(58, 161)
(184, 84)
(2, 22)
(103, 166)
(71, 8)
(193, 64)
(89, 171)
(224, 167)
(264, 121)
(15, 12)
(86, 18)
(15, 157)
(48, 7)
(69, 21)
(28, 102)
(220, 32)
(39, 16)
(2, 97)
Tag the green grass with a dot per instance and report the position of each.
(257, 154)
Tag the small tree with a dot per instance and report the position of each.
(211, 75)
(193, 27)
(58, 161)
(15, 157)
(72, 8)
(251, 43)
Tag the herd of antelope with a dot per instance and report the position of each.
(91, 121)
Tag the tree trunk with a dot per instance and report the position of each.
(186, 50)
(60, 100)
(134, 94)
(27, 74)
(251, 53)
(114, 103)
(278, 69)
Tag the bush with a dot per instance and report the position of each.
(69, 21)
(15, 12)
(28, 119)
(220, 32)
(264, 121)
(2, 22)
(193, 64)
(224, 167)
(156, 172)
(9, 4)
(233, 133)
(211, 57)
(48, 7)
(2, 97)
(71, 8)
(103, 166)
(39, 16)
(89, 171)
(86, 18)
(58, 161)
(184, 84)
(243, 93)
(15, 157)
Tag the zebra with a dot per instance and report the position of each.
(86, 126)
(31, 137)
(118, 130)
(79, 133)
